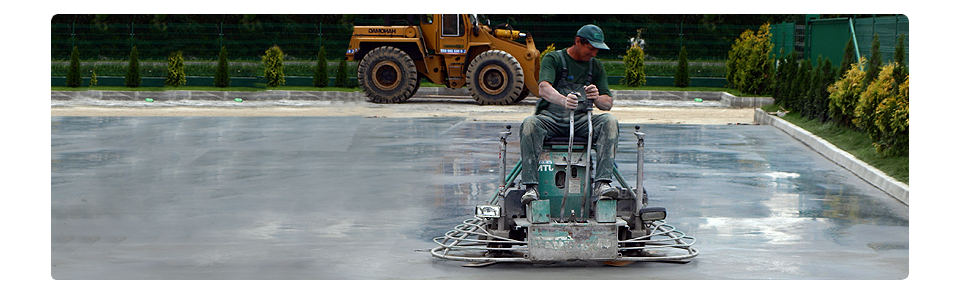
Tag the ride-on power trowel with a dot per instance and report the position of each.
(567, 223)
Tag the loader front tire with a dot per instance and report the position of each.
(495, 78)
(388, 75)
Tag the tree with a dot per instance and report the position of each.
(816, 103)
(175, 70)
(341, 80)
(549, 49)
(682, 77)
(222, 77)
(749, 68)
(827, 75)
(866, 115)
(800, 83)
(849, 56)
(811, 93)
(633, 67)
(900, 57)
(845, 93)
(777, 86)
(785, 81)
(73, 74)
(894, 122)
(875, 62)
(273, 67)
(132, 79)
(320, 78)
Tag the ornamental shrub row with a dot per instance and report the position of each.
(848, 96)
(175, 69)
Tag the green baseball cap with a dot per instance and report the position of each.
(594, 35)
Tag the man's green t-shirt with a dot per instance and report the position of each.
(550, 68)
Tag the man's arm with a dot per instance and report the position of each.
(603, 102)
(550, 94)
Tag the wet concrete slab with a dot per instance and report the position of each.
(361, 198)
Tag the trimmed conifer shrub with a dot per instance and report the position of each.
(273, 67)
(749, 68)
(549, 49)
(320, 78)
(175, 70)
(222, 77)
(682, 77)
(819, 103)
(900, 57)
(73, 73)
(845, 93)
(894, 122)
(132, 78)
(865, 115)
(633, 75)
(341, 80)
(875, 62)
(849, 56)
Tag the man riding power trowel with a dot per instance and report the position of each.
(566, 211)
(565, 77)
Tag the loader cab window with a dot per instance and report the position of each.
(452, 25)
(426, 18)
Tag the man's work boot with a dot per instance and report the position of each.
(530, 195)
(605, 191)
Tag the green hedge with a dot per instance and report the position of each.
(158, 69)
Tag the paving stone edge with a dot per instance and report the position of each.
(722, 97)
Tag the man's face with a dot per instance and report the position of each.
(585, 51)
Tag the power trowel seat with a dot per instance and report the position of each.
(558, 141)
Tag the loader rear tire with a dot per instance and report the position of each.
(388, 75)
(523, 95)
(495, 78)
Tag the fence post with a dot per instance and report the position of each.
(853, 33)
(681, 35)
(131, 35)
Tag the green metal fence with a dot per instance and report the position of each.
(828, 37)
(302, 41)
(662, 41)
(197, 41)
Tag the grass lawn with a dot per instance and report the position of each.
(853, 141)
(688, 89)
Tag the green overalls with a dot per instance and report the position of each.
(552, 120)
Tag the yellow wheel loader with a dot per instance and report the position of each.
(453, 50)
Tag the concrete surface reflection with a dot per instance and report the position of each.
(360, 198)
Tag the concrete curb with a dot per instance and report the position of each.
(160, 96)
(875, 177)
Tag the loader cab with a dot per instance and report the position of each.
(453, 45)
